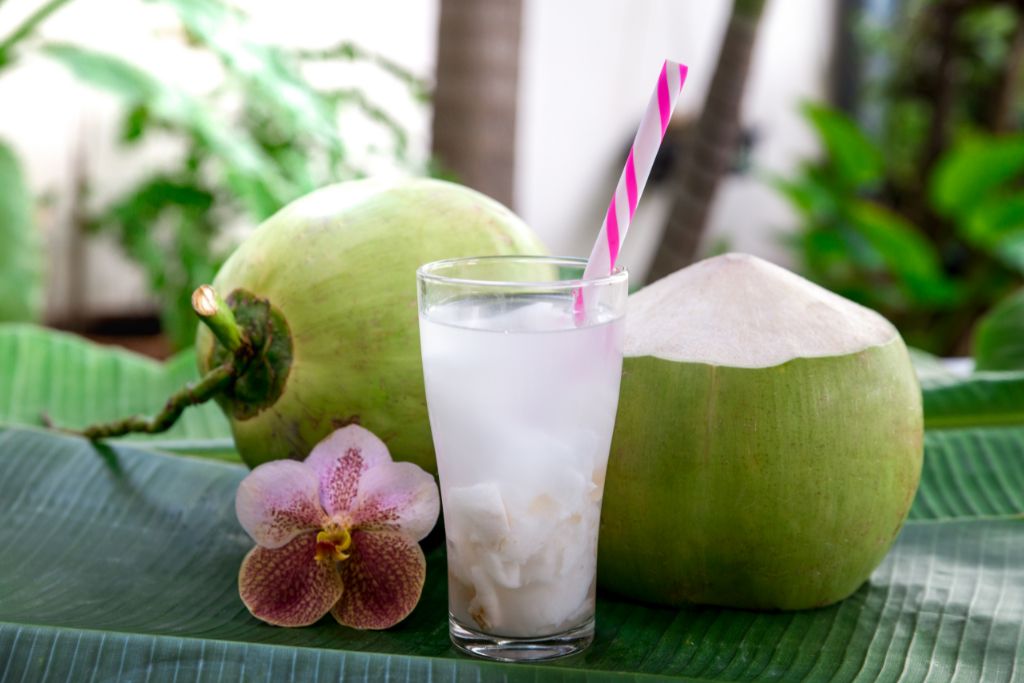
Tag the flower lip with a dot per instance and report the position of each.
(332, 543)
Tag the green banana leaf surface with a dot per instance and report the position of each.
(983, 399)
(119, 561)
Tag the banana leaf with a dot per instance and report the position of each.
(76, 383)
(981, 399)
(121, 563)
(118, 562)
(971, 473)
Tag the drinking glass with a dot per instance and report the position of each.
(522, 392)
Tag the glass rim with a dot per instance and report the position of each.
(425, 272)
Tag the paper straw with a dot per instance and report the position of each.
(634, 176)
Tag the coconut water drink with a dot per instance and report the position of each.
(522, 402)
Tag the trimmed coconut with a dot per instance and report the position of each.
(768, 442)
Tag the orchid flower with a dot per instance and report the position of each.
(336, 533)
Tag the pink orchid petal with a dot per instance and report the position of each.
(287, 586)
(340, 461)
(279, 500)
(398, 496)
(383, 580)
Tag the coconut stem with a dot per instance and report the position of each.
(215, 313)
(194, 393)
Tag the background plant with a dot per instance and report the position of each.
(264, 136)
(21, 268)
(915, 207)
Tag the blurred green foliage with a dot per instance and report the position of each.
(21, 258)
(265, 135)
(920, 215)
(999, 338)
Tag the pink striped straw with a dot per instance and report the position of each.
(634, 176)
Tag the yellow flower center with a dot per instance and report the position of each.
(331, 544)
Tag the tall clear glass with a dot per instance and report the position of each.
(522, 398)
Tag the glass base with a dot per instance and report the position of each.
(511, 649)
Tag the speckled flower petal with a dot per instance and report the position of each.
(383, 580)
(340, 461)
(398, 496)
(279, 500)
(287, 586)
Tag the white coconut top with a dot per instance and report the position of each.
(740, 311)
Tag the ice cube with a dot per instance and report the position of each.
(501, 570)
(476, 514)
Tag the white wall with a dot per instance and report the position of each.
(588, 69)
(588, 66)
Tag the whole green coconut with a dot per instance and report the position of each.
(328, 288)
(768, 442)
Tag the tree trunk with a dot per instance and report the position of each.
(475, 97)
(1003, 117)
(713, 146)
(942, 85)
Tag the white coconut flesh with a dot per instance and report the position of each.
(740, 311)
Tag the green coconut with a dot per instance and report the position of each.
(768, 442)
(316, 320)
